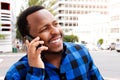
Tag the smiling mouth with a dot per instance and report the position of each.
(56, 40)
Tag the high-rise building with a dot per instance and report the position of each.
(68, 11)
(5, 26)
(9, 10)
(73, 16)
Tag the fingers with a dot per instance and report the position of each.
(34, 53)
(42, 48)
(27, 43)
(35, 40)
(33, 45)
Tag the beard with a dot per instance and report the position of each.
(49, 52)
(52, 52)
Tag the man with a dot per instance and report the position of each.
(48, 57)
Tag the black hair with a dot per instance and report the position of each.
(22, 23)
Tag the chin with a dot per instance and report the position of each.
(54, 50)
(57, 50)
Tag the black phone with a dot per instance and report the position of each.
(30, 38)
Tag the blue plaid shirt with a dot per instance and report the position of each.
(76, 64)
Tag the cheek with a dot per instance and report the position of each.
(44, 37)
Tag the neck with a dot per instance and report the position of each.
(54, 59)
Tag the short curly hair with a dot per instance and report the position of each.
(22, 22)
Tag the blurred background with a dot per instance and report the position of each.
(93, 23)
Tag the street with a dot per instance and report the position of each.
(107, 61)
(6, 60)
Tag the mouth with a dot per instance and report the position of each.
(55, 40)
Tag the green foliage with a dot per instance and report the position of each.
(18, 36)
(2, 36)
(100, 41)
(35, 2)
(41, 2)
(70, 38)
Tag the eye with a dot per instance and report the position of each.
(43, 29)
(56, 24)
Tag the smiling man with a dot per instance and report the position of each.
(48, 57)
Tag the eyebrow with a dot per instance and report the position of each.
(52, 22)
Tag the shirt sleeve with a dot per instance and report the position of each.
(31, 74)
(94, 73)
(35, 74)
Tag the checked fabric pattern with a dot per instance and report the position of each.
(76, 64)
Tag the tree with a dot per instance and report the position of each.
(47, 5)
(2, 36)
(100, 42)
(70, 38)
(35, 2)
(18, 36)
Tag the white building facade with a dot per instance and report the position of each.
(88, 19)
(115, 21)
(5, 26)
(9, 10)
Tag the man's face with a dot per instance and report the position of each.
(43, 24)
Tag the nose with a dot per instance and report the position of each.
(54, 30)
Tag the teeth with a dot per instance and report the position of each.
(55, 41)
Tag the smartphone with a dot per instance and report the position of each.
(30, 38)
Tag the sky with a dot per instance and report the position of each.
(19, 4)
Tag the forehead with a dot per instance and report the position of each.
(41, 15)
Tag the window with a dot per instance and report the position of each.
(6, 13)
(74, 24)
(5, 29)
(66, 24)
(5, 20)
(61, 24)
(61, 17)
(70, 12)
(70, 24)
(115, 30)
(61, 5)
(61, 11)
(5, 6)
(66, 12)
(6, 25)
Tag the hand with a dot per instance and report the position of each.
(34, 53)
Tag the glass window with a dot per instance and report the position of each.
(5, 6)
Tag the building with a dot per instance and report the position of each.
(84, 18)
(8, 13)
(115, 21)
(5, 26)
